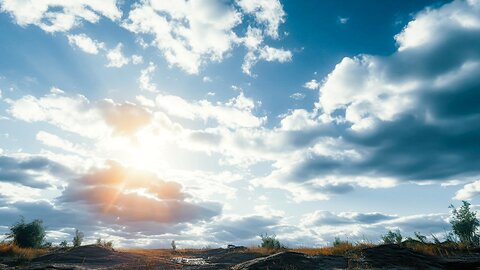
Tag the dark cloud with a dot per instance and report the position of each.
(242, 228)
(26, 171)
(320, 218)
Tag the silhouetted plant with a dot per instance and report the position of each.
(270, 242)
(422, 238)
(464, 224)
(338, 242)
(63, 244)
(78, 238)
(174, 246)
(27, 235)
(392, 237)
(104, 243)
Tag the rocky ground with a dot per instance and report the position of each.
(379, 257)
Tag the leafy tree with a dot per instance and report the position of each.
(28, 235)
(78, 238)
(392, 237)
(174, 246)
(464, 224)
(270, 242)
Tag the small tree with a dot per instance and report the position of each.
(392, 237)
(174, 246)
(28, 235)
(464, 224)
(63, 244)
(78, 238)
(270, 242)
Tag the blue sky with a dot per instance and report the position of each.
(211, 122)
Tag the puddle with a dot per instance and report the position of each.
(189, 261)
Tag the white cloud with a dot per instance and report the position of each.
(192, 33)
(237, 112)
(85, 43)
(145, 80)
(206, 79)
(137, 59)
(72, 114)
(273, 54)
(297, 96)
(267, 12)
(116, 58)
(55, 16)
(188, 33)
(60, 143)
(266, 53)
(343, 20)
(469, 191)
(312, 84)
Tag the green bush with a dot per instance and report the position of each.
(392, 237)
(270, 242)
(28, 235)
(464, 224)
(77, 238)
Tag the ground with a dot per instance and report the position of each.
(239, 258)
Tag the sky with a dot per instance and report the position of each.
(210, 122)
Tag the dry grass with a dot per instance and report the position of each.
(21, 254)
(339, 249)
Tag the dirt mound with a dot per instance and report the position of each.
(86, 255)
(293, 260)
(395, 256)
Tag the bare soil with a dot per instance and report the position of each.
(378, 257)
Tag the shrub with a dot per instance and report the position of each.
(392, 237)
(104, 243)
(270, 242)
(27, 235)
(338, 242)
(464, 224)
(63, 244)
(174, 246)
(422, 238)
(77, 238)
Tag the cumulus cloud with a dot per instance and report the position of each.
(187, 32)
(55, 16)
(192, 33)
(116, 58)
(131, 196)
(312, 84)
(468, 191)
(396, 121)
(267, 12)
(85, 43)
